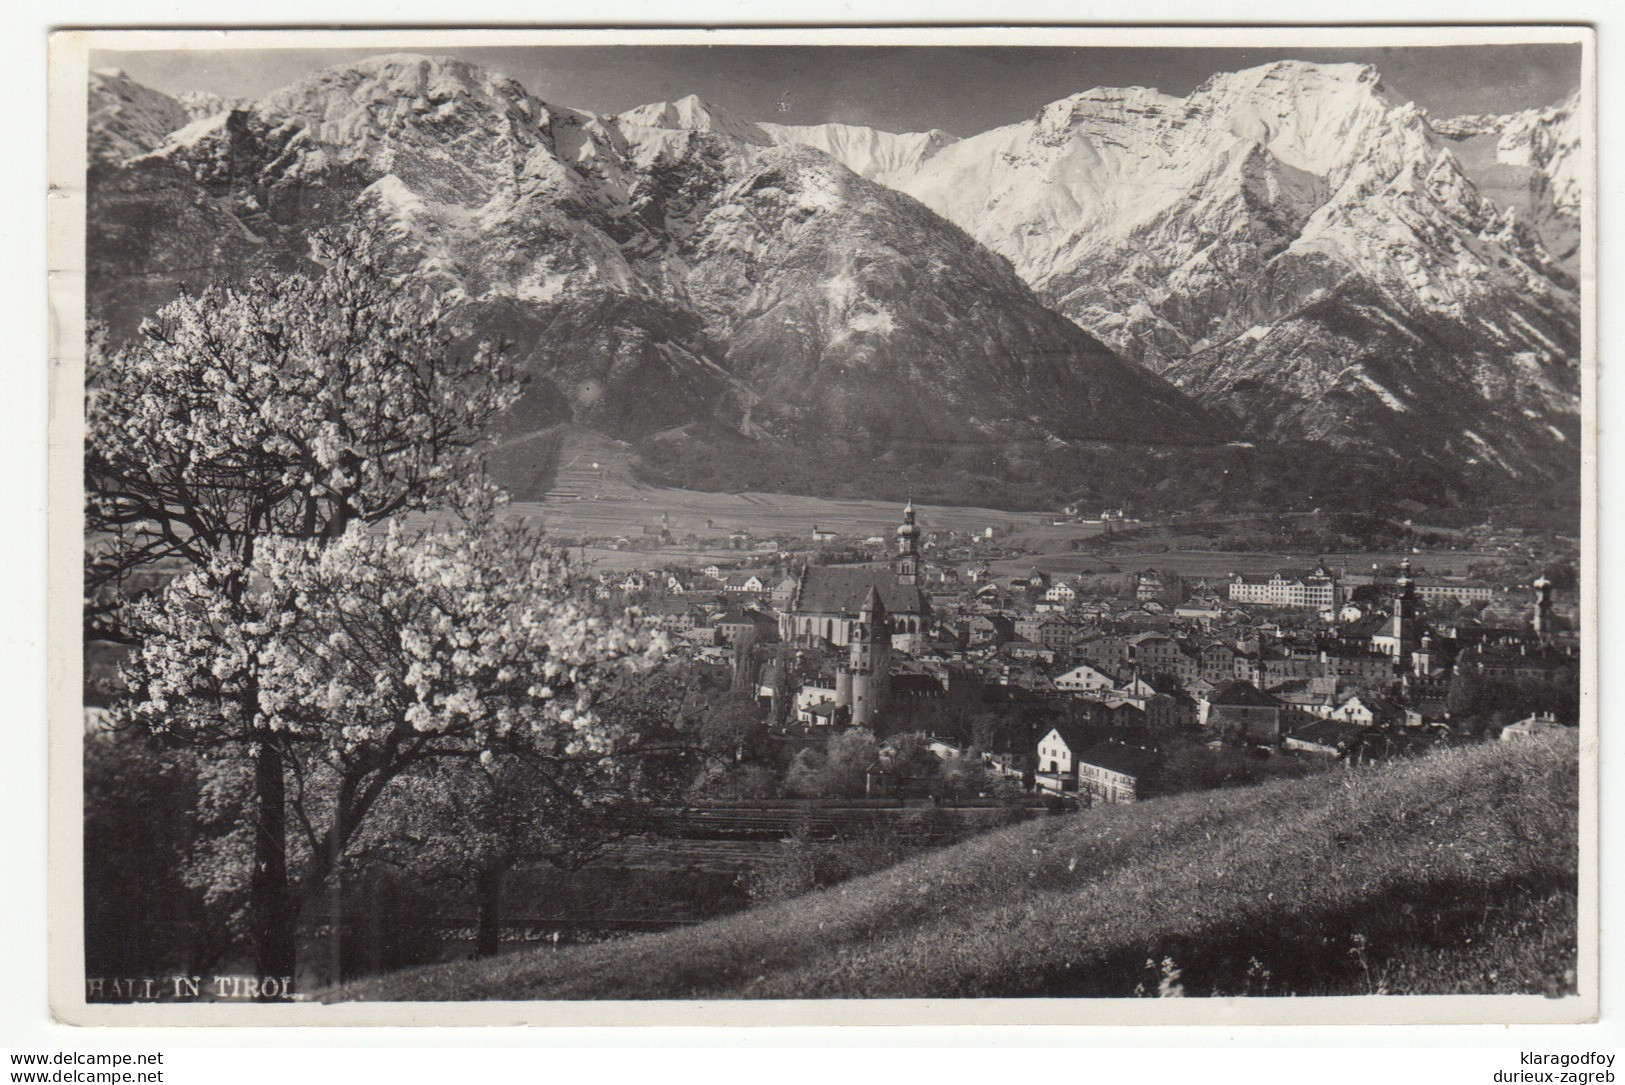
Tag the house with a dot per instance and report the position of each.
(1136, 689)
(1369, 711)
(1244, 708)
(783, 592)
(1057, 756)
(1111, 772)
(670, 615)
(1011, 766)
(1460, 592)
(734, 625)
(989, 629)
(1200, 613)
(1084, 678)
(1541, 723)
(811, 693)
(1312, 696)
(1050, 631)
(823, 714)
(1148, 585)
(1026, 649)
(1170, 711)
(1158, 653)
(1216, 661)
(1126, 715)
(1334, 738)
(745, 582)
(1061, 593)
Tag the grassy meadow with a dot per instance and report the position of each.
(1451, 873)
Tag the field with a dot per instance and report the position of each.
(595, 494)
(1452, 873)
(1221, 563)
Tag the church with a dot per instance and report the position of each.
(829, 600)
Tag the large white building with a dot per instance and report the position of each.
(1318, 589)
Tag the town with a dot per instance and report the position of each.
(1083, 690)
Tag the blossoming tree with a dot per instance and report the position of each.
(369, 656)
(244, 442)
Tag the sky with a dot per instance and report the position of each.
(960, 89)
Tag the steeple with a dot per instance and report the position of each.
(906, 565)
(873, 607)
(1543, 607)
(1405, 621)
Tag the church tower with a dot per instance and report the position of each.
(906, 566)
(1397, 637)
(1543, 608)
(1405, 623)
(868, 667)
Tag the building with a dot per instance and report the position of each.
(1158, 653)
(1084, 678)
(1243, 707)
(734, 626)
(1540, 723)
(1334, 738)
(1461, 592)
(1148, 585)
(1111, 772)
(1369, 711)
(1399, 636)
(1061, 593)
(828, 599)
(746, 582)
(1317, 589)
(1542, 622)
(861, 683)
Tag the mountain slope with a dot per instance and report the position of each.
(126, 118)
(886, 157)
(660, 269)
(1531, 162)
(1452, 873)
(1181, 231)
(1302, 256)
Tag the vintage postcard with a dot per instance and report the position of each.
(1064, 525)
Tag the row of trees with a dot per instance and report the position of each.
(352, 686)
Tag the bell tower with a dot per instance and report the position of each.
(1405, 623)
(868, 668)
(1543, 607)
(906, 566)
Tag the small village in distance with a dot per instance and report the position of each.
(1086, 689)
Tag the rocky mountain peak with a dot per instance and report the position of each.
(127, 118)
(693, 114)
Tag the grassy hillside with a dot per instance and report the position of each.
(1453, 873)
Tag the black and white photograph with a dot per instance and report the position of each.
(1075, 524)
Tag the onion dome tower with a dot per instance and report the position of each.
(906, 566)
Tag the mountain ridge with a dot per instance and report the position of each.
(644, 250)
(656, 269)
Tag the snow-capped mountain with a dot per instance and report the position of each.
(127, 118)
(887, 157)
(1266, 240)
(1305, 256)
(1529, 161)
(664, 267)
